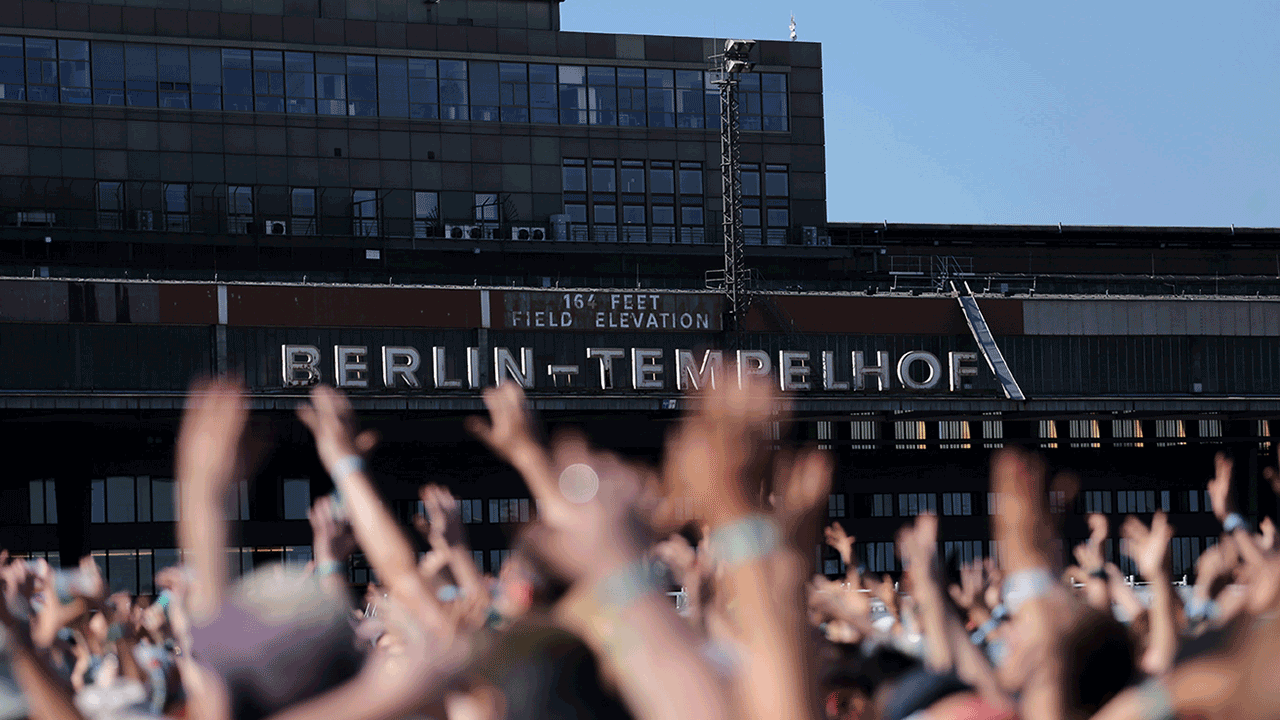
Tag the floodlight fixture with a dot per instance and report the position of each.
(737, 66)
(738, 47)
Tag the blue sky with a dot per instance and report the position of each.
(1086, 113)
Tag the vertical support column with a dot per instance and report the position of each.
(220, 364)
(71, 485)
(731, 201)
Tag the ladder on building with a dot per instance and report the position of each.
(987, 343)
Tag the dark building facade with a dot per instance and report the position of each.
(414, 200)
(361, 139)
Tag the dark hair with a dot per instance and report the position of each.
(1098, 656)
(848, 667)
(546, 673)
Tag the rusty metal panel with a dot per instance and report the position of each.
(638, 311)
(298, 306)
(188, 304)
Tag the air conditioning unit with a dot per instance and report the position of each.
(528, 233)
(462, 232)
(143, 220)
(810, 235)
(277, 227)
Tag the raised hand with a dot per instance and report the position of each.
(509, 430)
(332, 421)
(840, 541)
(1220, 486)
(443, 515)
(968, 594)
(332, 540)
(1148, 547)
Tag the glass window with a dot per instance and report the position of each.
(424, 102)
(237, 80)
(751, 217)
(662, 179)
(603, 177)
(775, 180)
(577, 213)
(42, 70)
(690, 178)
(299, 83)
(633, 215)
(453, 90)
(484, 91)
(206, 78)
(602, 96)
(110, 206)
(573, 95)
(108, 73)
(750, 180)
(177, 207)
(689, 99)
(364, 207)
(778, 217)
(297, 498)
(426, 214)
(121, 503)
(574, 176)
(362, 85)
(268, 80)
(543, 103)
(73, 71)
(605, 214)
(302, 208)
(13, 83)
(632, 177)
(773, 103)
(514, 92)
(691, 216)
(664, 215)
(662, 97)
(486, 207)
(44, 502)
(239, 208)
(164, 500)
(331, 85)
(174, 72)
(393, 87)
(632, 99)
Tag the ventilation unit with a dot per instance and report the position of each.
(528, 233)
(462, 232)
(277, 227)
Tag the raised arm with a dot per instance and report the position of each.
(1149, 548)
(207, 459)
(331, 419)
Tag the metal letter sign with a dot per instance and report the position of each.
(636, 369)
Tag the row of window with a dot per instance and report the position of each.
(880, 557)
(962, 434)
(664, 195)
(142, 498)
(962, 503)
(174, 76)
(274, 210)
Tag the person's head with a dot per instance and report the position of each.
(535, 671)
(848, 678)
(280, 638)
(1098, 661)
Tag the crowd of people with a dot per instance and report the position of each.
(577, 623)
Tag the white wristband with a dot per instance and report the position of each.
(1233, 521)
(1026, 585)
(344, 467)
